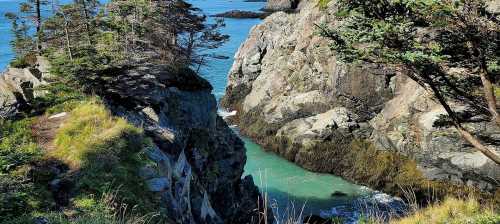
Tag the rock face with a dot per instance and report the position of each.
(197, 161)
(18, 87)
(281, 5)
(291, 95)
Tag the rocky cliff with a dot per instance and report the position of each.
(195, 161)
(18, 87)
(292, 96)
(281, 5)
(198, 160)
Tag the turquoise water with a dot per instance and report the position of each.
(289, 185)
(284, 182)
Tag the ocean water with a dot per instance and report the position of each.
(216, 70)
(5, 35)
(286, 183)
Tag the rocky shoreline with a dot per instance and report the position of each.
(292, 97)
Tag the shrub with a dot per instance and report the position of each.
(106, 210)
(24, 61)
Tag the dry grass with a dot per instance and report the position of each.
(453, 211)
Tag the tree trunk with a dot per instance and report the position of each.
(474, 141)
(87, 22)
(478, 145)
(66, 35)
(38, 27)
(489, 94)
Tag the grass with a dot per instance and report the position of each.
(106, 210)
(105, 152)
(323, 4)
(17, 146)
(453, 211)
(92, 131)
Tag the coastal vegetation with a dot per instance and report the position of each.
(453, 210)
(69, 158)
(429, 41)
(66, 158)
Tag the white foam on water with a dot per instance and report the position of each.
(225, 114)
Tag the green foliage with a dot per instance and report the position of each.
(17, 146)
(106, 151)
(23, 43)
(19, 63)
(107, 210)
(323, 3)
(14, 197)
(419, 34)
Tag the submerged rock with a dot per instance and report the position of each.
(339, 194)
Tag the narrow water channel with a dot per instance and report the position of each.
(286, 184)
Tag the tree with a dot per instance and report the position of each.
(428, 39)
(88, 10)
(34, 10)
(22, 43)
(169, 31)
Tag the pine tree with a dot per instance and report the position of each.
(428, 39)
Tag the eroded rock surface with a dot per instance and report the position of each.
(281, 5)
(18, 87)
(197, 160)
(291, 94)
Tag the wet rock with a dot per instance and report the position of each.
(338, 194)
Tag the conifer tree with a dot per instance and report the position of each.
(428, 40)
